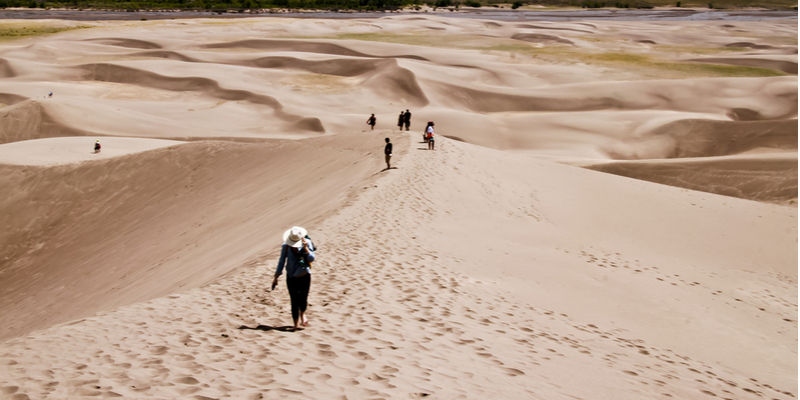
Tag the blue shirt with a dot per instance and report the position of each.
(291, 262)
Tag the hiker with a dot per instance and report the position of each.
(297, 254)
(97, 146)
(371, 122)
(388, 152)
(407, 119)
(429, 135)
(50, 94)
(401, 120)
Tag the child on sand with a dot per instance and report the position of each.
(371, 122)
(297, 254)
(388, 152)
(429, 136)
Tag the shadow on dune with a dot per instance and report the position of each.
(6, 71)
(126, 42)
(647, 95)
(303, 46)
(759, 179)
(165, 54)
(132, 76)
(529, 26)
(384, 76)
(78, 239)
(788, 67)
(10, 99)
(29, 120)
(541, 38)
(706, 156)
(705, 138)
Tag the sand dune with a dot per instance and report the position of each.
(788, 65)
(69, 150)
(125, 42)
(601, 218)
(133, 225)
(29, 120)
(770, 178)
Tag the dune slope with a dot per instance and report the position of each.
(145, 225)
(505, 292)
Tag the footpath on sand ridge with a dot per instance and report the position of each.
(390, 317)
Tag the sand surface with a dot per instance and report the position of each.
(610, 211)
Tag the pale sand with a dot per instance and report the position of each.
(497, 268)
(68, 150)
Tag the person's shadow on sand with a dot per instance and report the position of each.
(267, 328)
(386, 169)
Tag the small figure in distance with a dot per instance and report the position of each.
(388, 152)
(407, 119)
(371, 122)
(97, 147)
(429, 136)
(50, 94)
(297, 254)
(401, 120)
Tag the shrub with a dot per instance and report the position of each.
(516, 5)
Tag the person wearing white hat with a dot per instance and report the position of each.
(297, 254)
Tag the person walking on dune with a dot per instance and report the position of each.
(97, 146)
(401, 120)
(371, 122)
(429, 136)
(297, 254)
(387, 150)
(407, 119)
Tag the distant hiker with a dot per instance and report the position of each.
(407, 119)
(388, 152)
(371, 122)
(297, 254)
(429, 135)
(401, 120)
(97, 146)
(50, 94)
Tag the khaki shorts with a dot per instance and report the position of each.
(388, 157)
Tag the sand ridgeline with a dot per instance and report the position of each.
(552, 304)
(518, 260)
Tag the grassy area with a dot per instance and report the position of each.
(16, 31)
(655, 67)
(630, 65)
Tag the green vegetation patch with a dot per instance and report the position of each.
(652, 67)
(9, 32)
(630, 65)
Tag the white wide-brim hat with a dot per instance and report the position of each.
(294, 237)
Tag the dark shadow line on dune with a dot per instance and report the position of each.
(103, 72)
(302, 46)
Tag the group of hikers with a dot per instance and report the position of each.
(298, 252)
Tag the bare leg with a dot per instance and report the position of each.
(304, 319)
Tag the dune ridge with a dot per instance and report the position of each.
(28, 120)
(102, 215)
(599, 220)
(770, 179)
(121, 74)
(433, 321)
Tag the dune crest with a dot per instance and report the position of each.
(600, 219)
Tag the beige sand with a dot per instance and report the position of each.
(518, 260)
